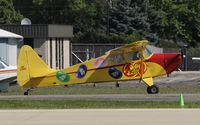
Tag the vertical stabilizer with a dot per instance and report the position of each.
(30, 65)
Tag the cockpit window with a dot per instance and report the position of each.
(116, 58)
(147, 52)
(131, 56)
(1, 66)
(134, 56)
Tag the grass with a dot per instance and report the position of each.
(88, 104)
(81, 104)
(110, 89)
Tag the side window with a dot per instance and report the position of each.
(1, 66)
(116, 59)
(134, 56)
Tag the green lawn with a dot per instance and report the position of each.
(77, 104)
(88, 89)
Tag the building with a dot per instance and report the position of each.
(50, 41)
(8, 47)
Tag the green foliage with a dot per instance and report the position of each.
(136, 17)
(8, 15)
(82, 14)
(38, 2)
(130, 20)
(180, 20)
(91, 36)
(88, 104)
(134, 37)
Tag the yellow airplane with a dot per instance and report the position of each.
(129, 62)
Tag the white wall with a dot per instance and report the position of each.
(12, 52)
(66, 53)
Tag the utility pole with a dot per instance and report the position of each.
(109, 5)
(108, 20)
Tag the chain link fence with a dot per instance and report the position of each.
(78, 51)
(78, 54)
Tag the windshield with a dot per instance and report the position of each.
(147, 52)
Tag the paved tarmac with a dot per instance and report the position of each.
(120, 97)
(101, 116)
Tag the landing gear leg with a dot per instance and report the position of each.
(26, 93)
(152, 89)
(117, 85)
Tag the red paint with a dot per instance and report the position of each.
(169, 61)
(22, 68)
(8, 70)
(134, 69)
(100, 68)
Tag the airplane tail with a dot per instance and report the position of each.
(30, 66)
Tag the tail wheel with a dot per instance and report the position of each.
(152, 89)
(26, 93)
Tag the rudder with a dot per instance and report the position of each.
(30, 65)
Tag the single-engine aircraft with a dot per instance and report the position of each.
(129, 62)
(8, 76)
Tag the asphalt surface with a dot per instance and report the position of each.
(119, 97)
(101, 116)
(176, 78)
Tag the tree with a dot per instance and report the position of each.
(8, 13)
(180, 20)
(82, 14)
(136, 17)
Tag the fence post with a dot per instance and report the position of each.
(184, 56)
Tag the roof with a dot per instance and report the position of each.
(6, 34)
(40, 30)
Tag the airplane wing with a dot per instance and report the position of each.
(8, 79)
(132, 47)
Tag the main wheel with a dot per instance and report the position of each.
(152, 89)
(117, 85)
(25, 93)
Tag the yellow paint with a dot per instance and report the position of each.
(35, 73)
(148, 81)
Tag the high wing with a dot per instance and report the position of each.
(132, 47)
(8, 79)
(8, 76)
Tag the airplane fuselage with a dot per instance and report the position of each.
(104, 70)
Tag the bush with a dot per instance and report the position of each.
(91, 36)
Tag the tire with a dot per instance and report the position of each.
(152, 89)
(25, 93)
(149, 90)
(117, 85)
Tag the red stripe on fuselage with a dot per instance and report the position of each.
(100, 68)
(12, 70)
